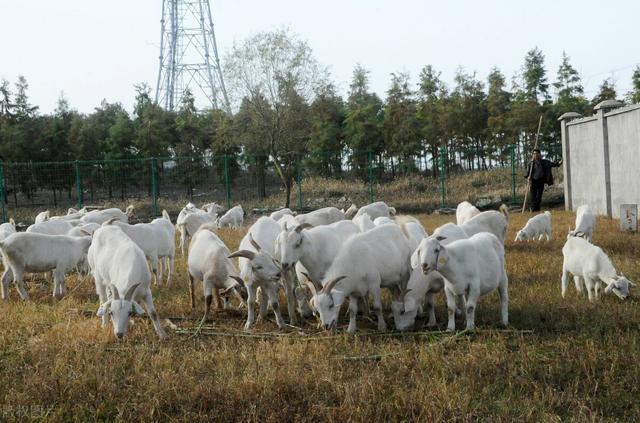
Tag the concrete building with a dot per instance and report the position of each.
(601, 158)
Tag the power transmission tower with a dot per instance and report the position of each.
(189, 55)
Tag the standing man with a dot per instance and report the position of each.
(539, 173)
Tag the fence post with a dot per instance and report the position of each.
(442, 166)
(299, 182)
(370, 168)
(3, 194)
(79, 193)
(513, 174)
(227, 184)
(154, 186)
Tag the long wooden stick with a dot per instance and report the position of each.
(526, 193)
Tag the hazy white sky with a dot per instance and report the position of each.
(94, 49)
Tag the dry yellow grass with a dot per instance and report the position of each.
(562, 359)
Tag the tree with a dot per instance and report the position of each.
(498, 107)
(269, 72)
(363, 123)
(634, 95)
(569, 90)
(154, 126)
(607, 91)
(400, 124)
(326, 139)
(432, 94)
(534, 76)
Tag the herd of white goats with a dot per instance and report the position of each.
(338, 254)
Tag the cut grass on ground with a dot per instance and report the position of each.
(560, 359)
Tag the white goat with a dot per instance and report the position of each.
(259, 269)
(473, 267)
(208, 263)
(101, 216)
(366, 262)
(490, 221)
(364, 222)
(232, 218)
(189, 222)
(465, 211)
(585, 223)
(408, 303)
(538, 227)
(276, 215)
(324, 216)
(150, 238)
(166, 247)
(119, 264)
(72, 214)
(51, 227)
(589, 264)
(377, 209)
(35, 252)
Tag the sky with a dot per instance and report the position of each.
(92, 50)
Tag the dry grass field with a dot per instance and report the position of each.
(559, 359)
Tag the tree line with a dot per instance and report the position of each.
(287, 107)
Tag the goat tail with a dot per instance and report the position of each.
(165, 215)
(505, 211)
(12, 222)
(392, 211)
(548, 213)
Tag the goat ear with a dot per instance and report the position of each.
(243, 253)
(415, 258)
(139, 311)
(102, 310)
(609, 287)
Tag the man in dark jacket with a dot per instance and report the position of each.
(539, 174)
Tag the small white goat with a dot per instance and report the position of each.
(377, 209)
(589, 264)
(208, 263)
(51, 227)
(119, 265)
(233, 218)
(585, 223)
(465, 211)
(366, 262)
(324, 216)
(538, 227)
(473, 267)
(35, 252)
(101, 216)
(490, 221)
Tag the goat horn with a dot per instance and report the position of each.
(254, 243)
(285, 227)
(300, 228)
(315, 284)
(329, 286)
(129, 295)
(237, 279)
(311, 287)
(114, 292)
(110, 221)
(243, 253)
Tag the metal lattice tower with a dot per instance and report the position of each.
(189, 55)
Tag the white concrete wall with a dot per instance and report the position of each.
(624, 158)
(587, 164)
(585, 140)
